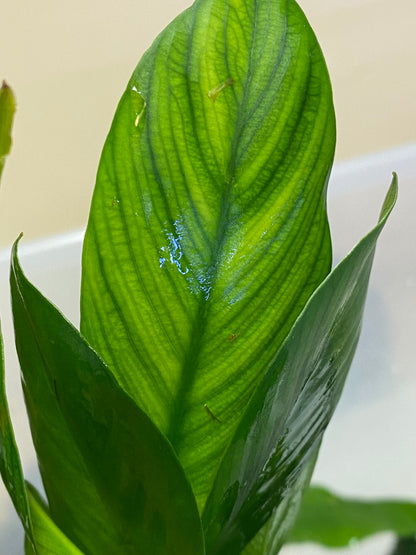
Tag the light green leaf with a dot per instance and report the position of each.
(7, 109)
(208, 228)
(48, 537)
(293, 404)
(10, 465)
(132, 494)
(334, 521)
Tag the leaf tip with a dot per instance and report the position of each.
(16, 244)
(7, 110)
(390, 200)
(15, 268)
(8, 101)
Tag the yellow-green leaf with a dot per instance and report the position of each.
(208, 229)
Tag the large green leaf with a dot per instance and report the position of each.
(7, 109)
(120, 489)
(293, 404)
(334, 521)
(208, 228)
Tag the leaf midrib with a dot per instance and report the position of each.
(188, 373)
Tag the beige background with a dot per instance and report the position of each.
(68, 63)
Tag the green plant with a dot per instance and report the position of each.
(223, 339)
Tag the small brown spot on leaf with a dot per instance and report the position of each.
(212, 415)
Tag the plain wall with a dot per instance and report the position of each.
(68, 63)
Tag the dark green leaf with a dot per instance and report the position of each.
(334, 521)
(7, 109)
(293, 404)
(60, 461)
(271, 537)
(136, 496)
(208, 228)
(10, 465)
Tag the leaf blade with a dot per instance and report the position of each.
(293, 404)
(138, 485)
(202, 247)
(60, 461)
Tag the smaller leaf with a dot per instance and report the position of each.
(133, 467)
(7, 109)
(59, 458)
(293, 404)
(10, 465)
(50, 540)
(334, 521)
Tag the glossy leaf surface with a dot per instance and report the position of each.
(293, 404)
(270, 538)
(208, 228)
(48, 537)
(7, 109)
(334, 521)
(137, 498)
